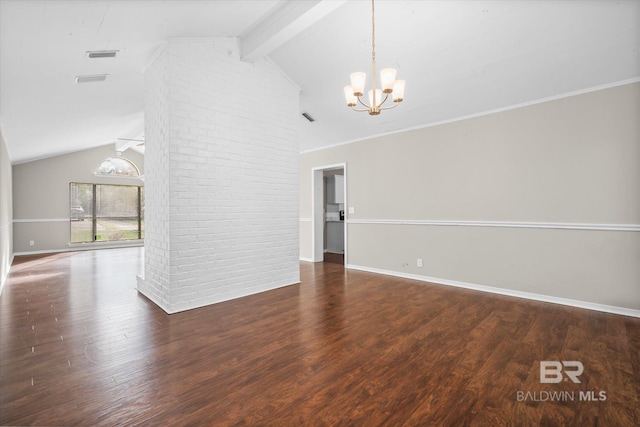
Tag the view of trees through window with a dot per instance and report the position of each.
(100, 212)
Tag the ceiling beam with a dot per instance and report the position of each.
(123, 144)
(285, 23)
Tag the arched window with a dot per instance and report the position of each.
(117, 166)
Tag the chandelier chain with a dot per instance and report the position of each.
(373, 54)
(373, 30)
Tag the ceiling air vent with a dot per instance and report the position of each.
(102, 53)
(308, 117)
(91, 79)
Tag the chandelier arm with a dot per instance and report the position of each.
(364, 104)
(359, 110)
(395, 104)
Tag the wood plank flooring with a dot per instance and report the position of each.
(80, 346)
(336, 258)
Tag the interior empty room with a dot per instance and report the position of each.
(320, 212)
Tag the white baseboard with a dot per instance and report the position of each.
(501, 291)
(4, 278)
(305, 259)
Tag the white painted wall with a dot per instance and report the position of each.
(463, 197)
(6, 213)
(221, 176)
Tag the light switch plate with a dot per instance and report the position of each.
(352, 210)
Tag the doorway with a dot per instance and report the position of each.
(329, 204)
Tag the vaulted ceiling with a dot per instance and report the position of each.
(459, 58)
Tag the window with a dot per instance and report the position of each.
(100, 212)
(117, 166)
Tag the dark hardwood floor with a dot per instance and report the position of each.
(336, 258)
(80, 346)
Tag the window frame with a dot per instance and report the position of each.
(94, 215)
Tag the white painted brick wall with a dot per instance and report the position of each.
(156, 282)
(222, 173)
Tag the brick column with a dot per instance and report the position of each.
(221, 176)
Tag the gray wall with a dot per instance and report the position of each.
(41, 195)
(542, 199)
(6, 213)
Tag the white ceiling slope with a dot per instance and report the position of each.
(459, 58)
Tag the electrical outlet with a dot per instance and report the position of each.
(419, 262)
(31, 243)
(352, 210)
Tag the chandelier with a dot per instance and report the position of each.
(388, 83)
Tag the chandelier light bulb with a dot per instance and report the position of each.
(398, 90)
(352, 100)
(358, 81)
(378, 100)
(387, 78)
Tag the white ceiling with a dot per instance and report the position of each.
(459, 58)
